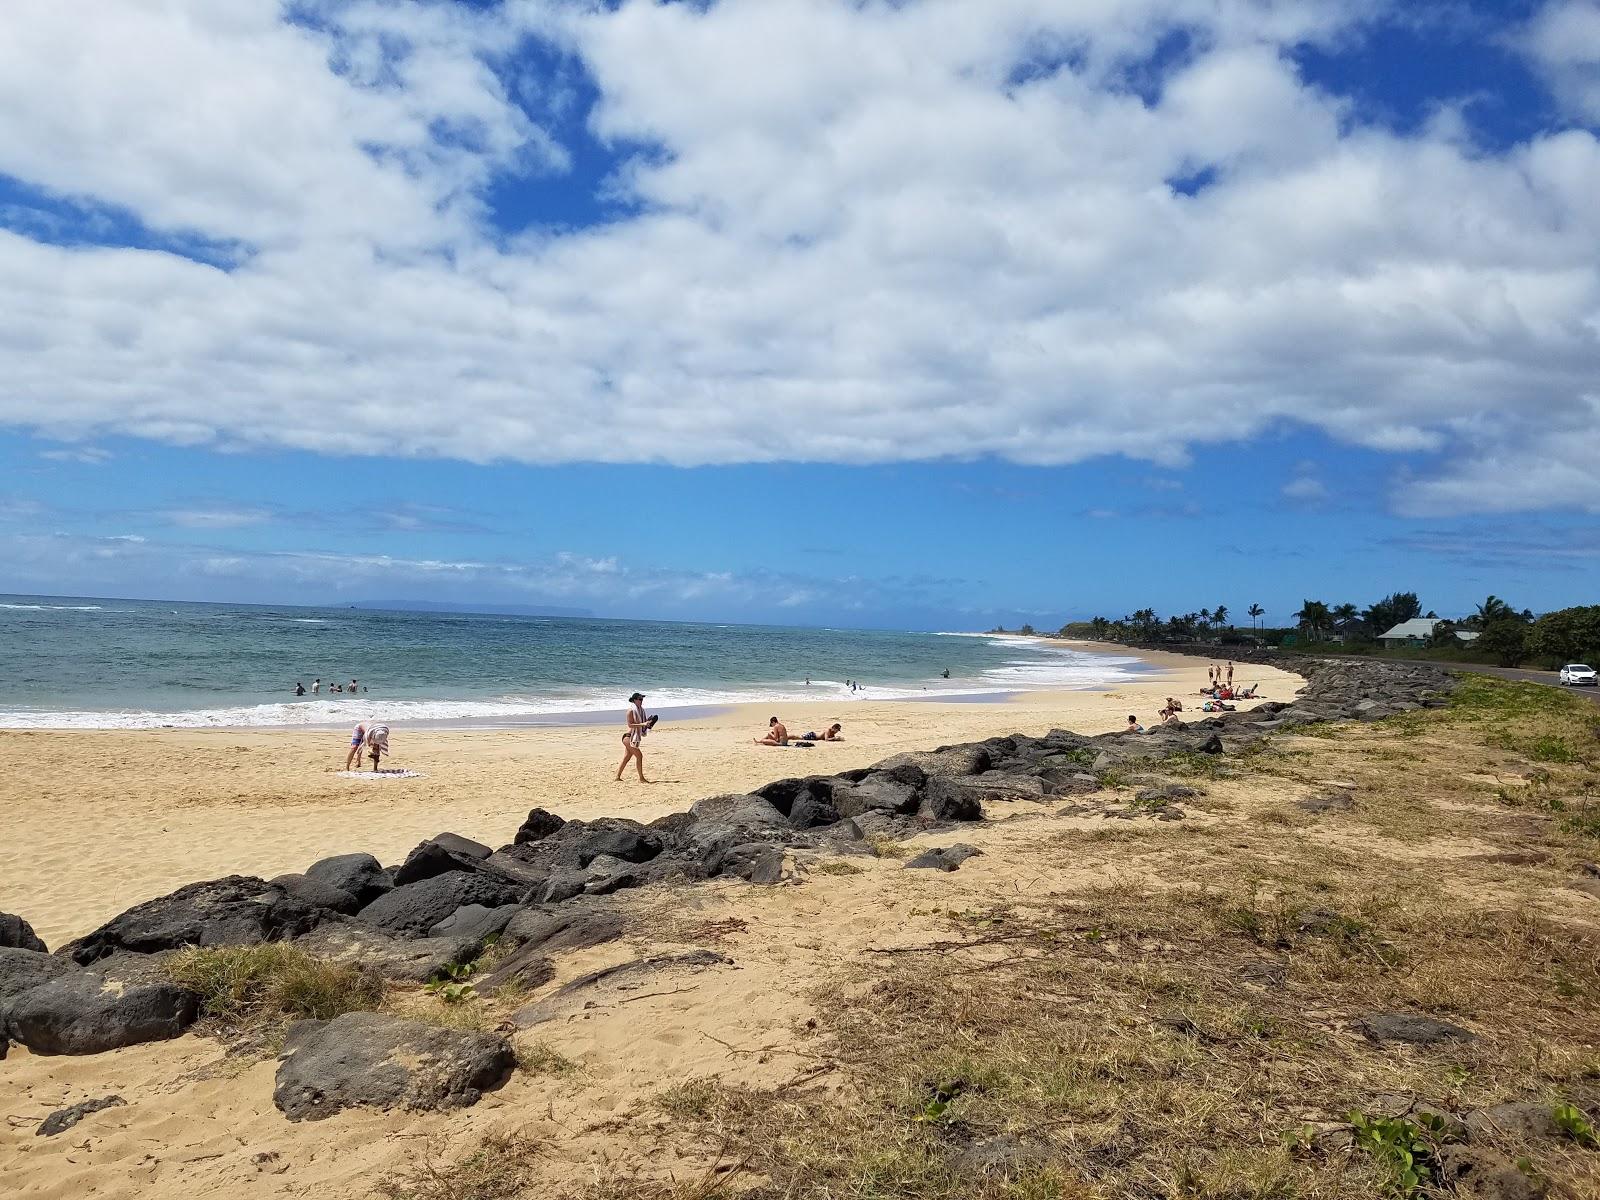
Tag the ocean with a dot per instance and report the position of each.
(139, 664)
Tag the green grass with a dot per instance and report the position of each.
(270, 983)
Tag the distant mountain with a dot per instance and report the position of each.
(438, 606)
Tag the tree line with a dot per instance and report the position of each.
(1504, 634)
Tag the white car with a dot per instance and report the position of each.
(1577, 675)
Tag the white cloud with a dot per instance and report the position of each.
(1306, 489)
(858, 238)
(1563, 40)
(215, 518)
(92, 456)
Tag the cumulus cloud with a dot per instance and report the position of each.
(852, 232)
(1563, 40)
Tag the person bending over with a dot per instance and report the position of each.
(777, 735)
(358, 739)
(377, 744)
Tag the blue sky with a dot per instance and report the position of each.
(927, 314)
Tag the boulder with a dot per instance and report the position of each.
(407, 960)
(359, 874)
(1334, 800)
(123, 1002)
(316, 893)
(415, 908)
(570, 927)
(756, 862)
(465, 847)
(477, 922)
(21, 970)
(370, 1060)
(430, 859)
(812, 812)
(947, 858)
(504, 865)
(17, 934)
(562, 885)
(951, 800)
(948, 761)
(1412, 1029)
(584, 841)
(721, 814)
(64, 1119)
(877, 792)
(239, 910)
(539, 825)
(606, 874)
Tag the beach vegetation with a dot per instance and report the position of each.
(541, 1058)
(252, 986)
(502, 1167)
(885, 846)
(839, 866)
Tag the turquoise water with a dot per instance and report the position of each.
(67, 663)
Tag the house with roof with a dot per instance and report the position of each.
(1419, 631)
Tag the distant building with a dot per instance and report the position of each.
(1418, 631)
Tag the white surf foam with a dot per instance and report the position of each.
(1037, 667)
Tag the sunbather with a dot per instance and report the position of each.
(777, 735)
(830, 734)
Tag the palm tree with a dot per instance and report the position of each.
(1255, 612)
(1220, 615)
(1314, 617)
(1492, 609)
(1344, 616)
(1205, 616)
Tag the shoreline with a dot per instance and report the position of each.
(105, 819)
(277, 713)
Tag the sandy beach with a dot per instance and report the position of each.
(99, 821)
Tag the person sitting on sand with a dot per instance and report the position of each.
(377, 744)
(1172, 718)
(632, 741)
(358, 739)
(1133, 724)
(777, 735)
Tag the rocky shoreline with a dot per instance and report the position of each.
(547, 890)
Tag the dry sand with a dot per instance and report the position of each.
(99, 821)
(96, 822)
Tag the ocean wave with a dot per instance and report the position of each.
(1044, 668)
(61, 608)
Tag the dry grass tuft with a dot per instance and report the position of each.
(254, 987)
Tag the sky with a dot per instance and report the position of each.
(925, 314)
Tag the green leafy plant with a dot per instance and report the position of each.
(453, 984)
(1572, 1122)
(938, 1105)
(1405, 1150)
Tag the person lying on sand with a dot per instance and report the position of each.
(377, 744)
(358, 739)
(777, 735)
(830, 734)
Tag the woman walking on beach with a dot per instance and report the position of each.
(638, 726)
